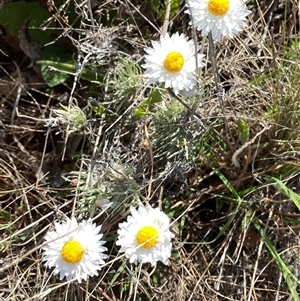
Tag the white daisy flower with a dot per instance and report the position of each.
(145, 236)
(220, 17)
(172, 61)
(75, 250)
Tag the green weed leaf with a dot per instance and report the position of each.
(243, 130)
(17, 14)
(148, 104)
(56, 56)
(6, 215)
(63, 65)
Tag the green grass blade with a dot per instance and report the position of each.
(286, 273)
(118, 273)
(288, 192)
(227, 184)
(239, 202)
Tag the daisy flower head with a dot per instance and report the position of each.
(220, 17)
(145, 236)
(172, 61)
(75, 250)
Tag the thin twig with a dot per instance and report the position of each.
(164, 28)
(217, 82)
(196, 50)
(244, 146)
(152, 163)
(214, 63)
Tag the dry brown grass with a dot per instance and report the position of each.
(47, 173)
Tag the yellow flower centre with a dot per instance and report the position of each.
(72, 251)
(174, 62)
(218, 7)
(147, 237)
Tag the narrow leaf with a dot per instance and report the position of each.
(288, 192)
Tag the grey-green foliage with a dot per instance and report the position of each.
(125, 80)
(176, 133)
(105, 183)
(70, 118)
(128, 78)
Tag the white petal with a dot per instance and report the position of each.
(154, 62)
(145, 216)
(88, 235)
(226, 25)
